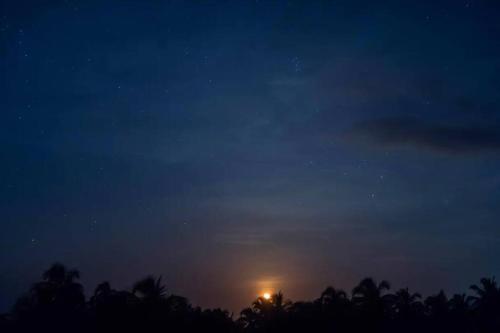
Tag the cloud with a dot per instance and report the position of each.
(420, 134)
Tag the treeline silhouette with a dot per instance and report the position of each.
(57, 304)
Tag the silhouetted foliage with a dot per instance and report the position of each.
(266, 314)
(57, 304)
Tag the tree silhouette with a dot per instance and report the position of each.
(103, 290)
(368, 293)
(487, 294)
(334, 309)
(459, 304)
(460, 313)
(113, 310)
(407, 304)
(59, 295)
(149, 289)
(407, 310)
(57, 304)
(59, 287)
(437, 311)
(266, 314)
(332, 298)
(372, 303)
(486, 304)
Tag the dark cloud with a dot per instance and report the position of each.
(426, 135)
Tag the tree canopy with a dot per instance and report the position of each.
(57, 303)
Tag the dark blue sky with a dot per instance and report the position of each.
(237, 146)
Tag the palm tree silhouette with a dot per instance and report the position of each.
(57, 304)
(270, 307)
(368, 291)
(407, 310)
(371, 302)
(248, 318)
(459, 313)
(486, 304)
(406, 303)
(150, 289)
(486, 294)
(437, 311)
(103, 290)
(59, 286)
(332, 297)
(265, 313)
(279, 303)
(460, 304)
(334, 310)
(437, 305)
(370, 295)
(59, 274)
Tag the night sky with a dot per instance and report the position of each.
(241, 146)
